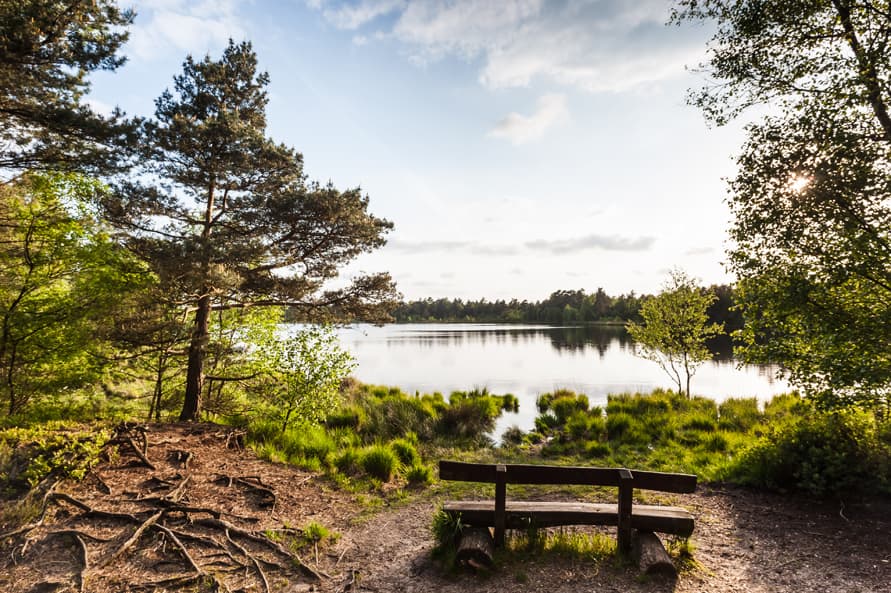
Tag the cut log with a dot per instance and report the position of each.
(650, 554)
(476, 547)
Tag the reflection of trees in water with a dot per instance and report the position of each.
(581, 339)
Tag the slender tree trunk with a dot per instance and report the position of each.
(195, 370)
(200, 332)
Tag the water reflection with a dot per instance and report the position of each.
(528, 360)
(581, 339)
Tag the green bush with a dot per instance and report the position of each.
(512, 437)
(348, 462)
(546, 422)
(446, 530)
(700, 421)
(468, 419)
(379, 461)
(406, 452)
(819, 453)
(351, 416)
(419, 475)
(617, 425)
(307, 443)
(596, 449)
(398, 414)
(565, 406)
(740, 415)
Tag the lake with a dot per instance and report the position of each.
(527, 360)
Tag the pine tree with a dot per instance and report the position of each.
(231, 220)
(47, 49)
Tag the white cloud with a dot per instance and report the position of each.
(594, 45)
(521, 129)
(353, 16)
(186, 27)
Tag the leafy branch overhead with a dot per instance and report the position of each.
(47, 49)
(812, 216)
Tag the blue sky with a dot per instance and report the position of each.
(519, 146)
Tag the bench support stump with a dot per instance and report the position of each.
(650, 555)
(476, 548)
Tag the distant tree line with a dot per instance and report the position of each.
(562, 306)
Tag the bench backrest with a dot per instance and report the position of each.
(553, 474)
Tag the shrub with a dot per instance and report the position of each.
(617, 425)
(315, 532)
(544, 401)
(351, 416)
(379, 461)
(565, 406)
(582, 426)
(512, 437)
(306, 444)
(446, 530)
(715, 443)
(821, 454)
(700, 421)
(405, 451)
(419, 475)
(510, 402)
(740, 415)
(468, 418)
(398, 414)
(348, 462)
(546, 422)
(597, 449)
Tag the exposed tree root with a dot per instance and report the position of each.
(216, 554)
(254, 484)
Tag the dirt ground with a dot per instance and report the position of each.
(211, 516)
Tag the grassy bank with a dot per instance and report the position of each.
(383, 435)
(382, 439)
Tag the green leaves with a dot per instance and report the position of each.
(302, 375)
(812, 198)
(60, 275)
(46, 50)
(675, 329)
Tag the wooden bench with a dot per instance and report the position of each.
(503, 514)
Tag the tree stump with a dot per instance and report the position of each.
(476, 547)
(650, 554)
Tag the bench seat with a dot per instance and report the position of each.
(524, 514)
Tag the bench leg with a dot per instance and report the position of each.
(500, 504)
(626, 491)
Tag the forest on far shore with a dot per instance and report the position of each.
(562, 306)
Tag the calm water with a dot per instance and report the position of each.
(527, 360)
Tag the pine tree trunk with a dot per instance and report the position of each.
(195, 371)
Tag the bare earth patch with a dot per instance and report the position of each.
(211, 516)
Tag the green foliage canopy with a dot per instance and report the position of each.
(812, 214)
(60, 275)
(675, 328)
(230, 221)
(47, 49)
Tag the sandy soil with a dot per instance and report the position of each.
(745, 541)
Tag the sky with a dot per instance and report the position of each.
(519, 146)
